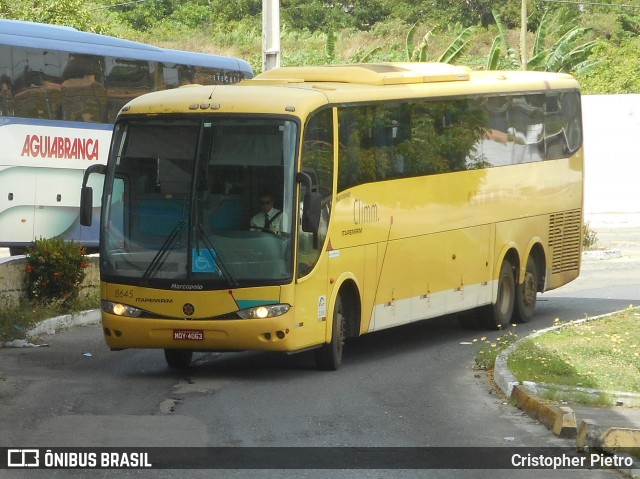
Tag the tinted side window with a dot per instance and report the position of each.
(400, 140)
(36, 85)
(84, 96)
(563, 125)
(172, 75)
(6, 95)
(125, 80)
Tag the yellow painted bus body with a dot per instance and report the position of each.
(405, 249)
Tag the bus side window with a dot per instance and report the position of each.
(317, 161)
(84, 95)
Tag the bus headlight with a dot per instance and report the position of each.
(266, 311)
(120, 309)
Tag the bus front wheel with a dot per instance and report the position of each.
(500, 313)
(329, 355)
(178, 358)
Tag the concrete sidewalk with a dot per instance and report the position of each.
(612, 430)
(606, 429)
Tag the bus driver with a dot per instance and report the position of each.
(268, 218)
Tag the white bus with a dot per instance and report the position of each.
(60, 91)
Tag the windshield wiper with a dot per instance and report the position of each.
(161, 255)
(202, 234)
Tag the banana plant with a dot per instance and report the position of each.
(457, 47)
(563, 56)
(419, 53)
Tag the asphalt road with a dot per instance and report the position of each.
(409, 386)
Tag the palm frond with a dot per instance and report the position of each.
(456, 48)
(330, 46)
(538, 61)
(494, 55)
(541, 35)
(558, 57)
(585, 67)
(360, 56)
(420, 52)
(508, 50)
(409, 41)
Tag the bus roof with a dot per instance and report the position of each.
(300, 90)
(55, 37)
(402, 73)
(371, 73)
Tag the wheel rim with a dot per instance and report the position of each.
(505, 299)
(529, 290)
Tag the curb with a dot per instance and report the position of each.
(601, 254)
(562, 420)
(53, 325)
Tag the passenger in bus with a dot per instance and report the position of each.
(268, 218)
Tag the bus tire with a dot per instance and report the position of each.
(329, 355)
(178, 358)
(500, 313)
(526, 293)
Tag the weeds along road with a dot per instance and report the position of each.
(409, 386)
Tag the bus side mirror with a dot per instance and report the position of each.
(86, 205)
(86, 194)
(311, 204)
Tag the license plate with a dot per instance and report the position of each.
(188, 335)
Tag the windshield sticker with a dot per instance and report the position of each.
(203, 261)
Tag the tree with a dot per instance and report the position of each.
(71, 13)
(317, 15)
(617, 69)
(566, 54)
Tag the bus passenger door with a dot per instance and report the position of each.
(57, 200)
(18, 187)
(312, 292)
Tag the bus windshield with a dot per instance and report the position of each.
(206, 201)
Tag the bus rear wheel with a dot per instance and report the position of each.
(329, 355)
(178, 358)
(526, 293)
(499, 314)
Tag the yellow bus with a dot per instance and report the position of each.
(394, 192)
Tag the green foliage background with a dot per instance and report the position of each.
(596, 42)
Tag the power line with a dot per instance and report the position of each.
(597, 4)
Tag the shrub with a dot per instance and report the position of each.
(55, 270)
(589, 238)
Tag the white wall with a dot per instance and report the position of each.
(611, 126)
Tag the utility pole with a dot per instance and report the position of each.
(270, 34)
(523, 35)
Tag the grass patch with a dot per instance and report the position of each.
(599, 399)
(489, 349)
(600, 354)
(15, 322)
